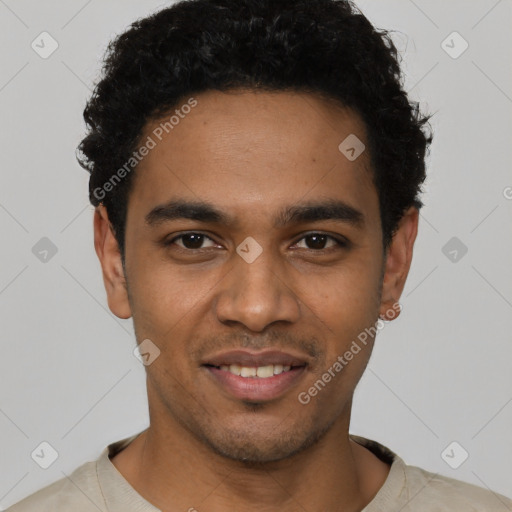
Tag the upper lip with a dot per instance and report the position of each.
(262, 358)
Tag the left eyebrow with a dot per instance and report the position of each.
(202, 211)
(318, 211)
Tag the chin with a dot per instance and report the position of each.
(254, 448)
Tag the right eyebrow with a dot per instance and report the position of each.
(200, 211)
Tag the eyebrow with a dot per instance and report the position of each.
(202, 211)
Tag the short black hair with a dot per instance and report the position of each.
(327, 47)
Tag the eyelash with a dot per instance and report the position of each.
(340, 243)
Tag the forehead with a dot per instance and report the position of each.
(253, 151)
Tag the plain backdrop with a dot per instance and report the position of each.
(441, 373)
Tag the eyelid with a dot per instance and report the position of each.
(174, 238)
(337, 238)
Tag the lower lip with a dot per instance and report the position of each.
(255, 388)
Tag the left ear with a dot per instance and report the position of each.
(398, 263)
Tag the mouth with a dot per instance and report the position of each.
(260, 372)
(256, 377)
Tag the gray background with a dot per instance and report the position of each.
(440, 372)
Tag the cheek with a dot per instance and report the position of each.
(345, 304)
(345, 298)
(165, 296)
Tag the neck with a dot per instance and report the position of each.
(174, 471)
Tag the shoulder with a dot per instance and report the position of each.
(438, 492)
(79, 492)
(411, 489)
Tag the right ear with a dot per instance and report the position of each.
(109, 255)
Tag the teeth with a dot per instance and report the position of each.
(234, 368)
(265, 371)
(247, 371)
(278, 368)
(251, 371)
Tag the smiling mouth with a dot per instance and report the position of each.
(256, 376)
(261, 372)
(256, 383)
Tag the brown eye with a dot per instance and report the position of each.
(191, 241)
(318, 241)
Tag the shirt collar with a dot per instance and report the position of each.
(393, 493)
(119, 495)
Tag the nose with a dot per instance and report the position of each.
(257, 294)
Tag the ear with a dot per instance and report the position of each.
(398, 263)
(108, 253)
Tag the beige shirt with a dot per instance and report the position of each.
(99, 486)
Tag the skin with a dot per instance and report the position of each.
(250, 154)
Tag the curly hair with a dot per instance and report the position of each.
(324, 47)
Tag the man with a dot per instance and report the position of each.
(255, 168)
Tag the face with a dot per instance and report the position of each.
(254, 261)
